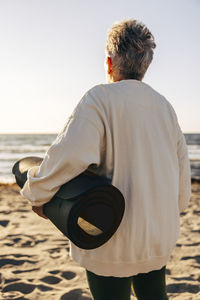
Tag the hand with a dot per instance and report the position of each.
(39, 211)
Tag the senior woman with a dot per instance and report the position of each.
(126, 131)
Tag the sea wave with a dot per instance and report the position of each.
(16, 146)
(24, 148)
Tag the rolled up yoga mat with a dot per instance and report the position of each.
(88, 209)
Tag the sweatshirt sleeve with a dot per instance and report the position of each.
(184, 171)
(77, 147)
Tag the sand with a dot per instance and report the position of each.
(35, 262)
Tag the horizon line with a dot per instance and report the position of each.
(30, 132)
(50, 132)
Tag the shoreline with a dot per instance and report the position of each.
(10, 184)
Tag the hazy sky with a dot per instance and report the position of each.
(52, 52)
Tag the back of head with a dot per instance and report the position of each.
(130, 45)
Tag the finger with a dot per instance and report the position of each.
(39, 211)
(42, 213)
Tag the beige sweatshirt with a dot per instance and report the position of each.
(128, 132)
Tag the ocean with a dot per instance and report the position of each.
(16, 146)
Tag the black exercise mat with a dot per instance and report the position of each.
(88, 209)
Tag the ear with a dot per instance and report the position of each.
(110, 65)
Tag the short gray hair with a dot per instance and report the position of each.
(130, 45)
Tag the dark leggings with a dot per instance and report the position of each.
(146, 286)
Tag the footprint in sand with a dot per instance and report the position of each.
(67, 249)
(25, 271)
(54, 252)
(22, 255)
(44, 288)
(197, 258)
(4, 223)
(51, 279)
(182, 288)
(192, 245)
(22, 287)
(54, 272)
(13, 295)
(183, 278)
(183, 213)
(14, 262)
(22, 210)
(168, 272)
(196, 230)
(18, 240)
(25, 288)
(68, 275)
(76, 294)
(5, 212)
(196, 212)
(11, 280)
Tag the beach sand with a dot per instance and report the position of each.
(35, 262)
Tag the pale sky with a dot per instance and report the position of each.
(52, 52)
